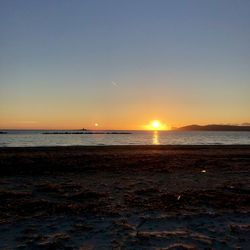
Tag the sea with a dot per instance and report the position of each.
(40, 138)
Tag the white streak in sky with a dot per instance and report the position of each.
(115, 84)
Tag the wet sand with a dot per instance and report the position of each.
(125, 197)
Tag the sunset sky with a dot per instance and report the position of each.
(121, 64)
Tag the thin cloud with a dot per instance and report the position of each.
(115, 84)
(28, 122)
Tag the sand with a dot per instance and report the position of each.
(125, 197)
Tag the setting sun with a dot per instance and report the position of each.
(156, 125)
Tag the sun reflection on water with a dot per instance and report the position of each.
(156, 138)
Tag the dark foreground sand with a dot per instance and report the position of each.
(125, 197)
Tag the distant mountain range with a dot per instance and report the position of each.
(214, 127)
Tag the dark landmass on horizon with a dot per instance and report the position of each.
(125, 197)
(213, 127)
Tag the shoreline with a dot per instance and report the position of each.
(160, 146)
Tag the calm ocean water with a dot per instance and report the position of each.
(37, 138)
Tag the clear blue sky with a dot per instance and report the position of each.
(121, 63)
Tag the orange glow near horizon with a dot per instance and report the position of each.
(156, 125)
(135, 123)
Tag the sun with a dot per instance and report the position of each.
(156, 125)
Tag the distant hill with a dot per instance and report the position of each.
(214, 127)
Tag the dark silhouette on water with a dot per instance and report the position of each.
(86, 133)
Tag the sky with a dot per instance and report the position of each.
(121, 64)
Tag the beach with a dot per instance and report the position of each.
(125, 197)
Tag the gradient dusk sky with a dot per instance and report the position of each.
(71, 64)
